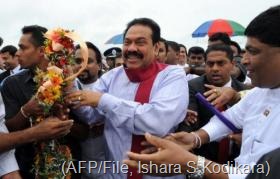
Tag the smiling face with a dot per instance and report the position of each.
(263, 63)
(10, 62)
(182, 56)
(138, 48)
(218, 68)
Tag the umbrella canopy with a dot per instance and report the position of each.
(117, 39)
(230, 27)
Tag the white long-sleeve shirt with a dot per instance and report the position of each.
(258, 114)
(123, 116)
(8, 161)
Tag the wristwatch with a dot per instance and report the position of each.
(199, 171)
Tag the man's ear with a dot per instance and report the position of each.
(156, 48)
(41, 50)
(99, 66)
(177, 54)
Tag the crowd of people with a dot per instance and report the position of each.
(139, 105)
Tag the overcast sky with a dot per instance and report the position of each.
(98, 20)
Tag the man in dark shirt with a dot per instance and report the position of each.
(18, 91)
(218, 67)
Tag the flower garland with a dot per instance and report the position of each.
(59, 48)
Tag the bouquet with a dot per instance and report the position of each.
(59, 49)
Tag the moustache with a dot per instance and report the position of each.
(133, 53)
(84, 74)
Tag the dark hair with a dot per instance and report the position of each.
(220, 36)
(12, 50)
(95, 49)
(145, 22)
(266, 27)
(37, 33)
(165, 44)
(233, 43)
(196, 50)
(1, 41)
(220, 47)
(174, 45)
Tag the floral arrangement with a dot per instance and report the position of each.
(59, 49)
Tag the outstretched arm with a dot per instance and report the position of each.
(165, 155)
(47, 129)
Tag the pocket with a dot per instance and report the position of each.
(250, 128)
(258, 149)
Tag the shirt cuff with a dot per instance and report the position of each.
(8, 163)
(84, 114)
(108, 102)
(216, 129)
(234, 173)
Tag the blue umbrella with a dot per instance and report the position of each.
(117, 39)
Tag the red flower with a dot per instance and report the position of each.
(62, 61)
(67, 43)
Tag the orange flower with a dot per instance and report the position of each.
(56, 80)
(59, 48)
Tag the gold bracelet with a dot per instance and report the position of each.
(23, 113)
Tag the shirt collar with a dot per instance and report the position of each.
(29, 75)
(16, 70)
(274, 92)
(228, 84)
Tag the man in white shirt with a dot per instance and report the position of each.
(182, 56)
(11, 65)
(10, 59)
(143, 95)
(257, 113)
